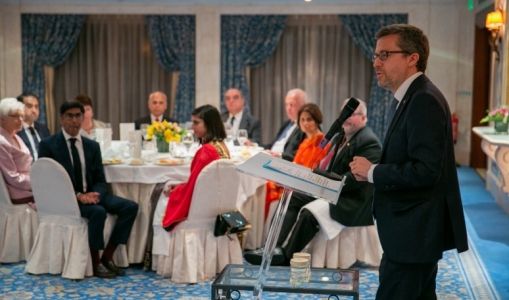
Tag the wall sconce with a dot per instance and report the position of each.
(494, 23)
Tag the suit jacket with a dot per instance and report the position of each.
(42, 130)
(55, 147)
(148, 120)
(417, 201)
(355, 201)
(292, 143)
(250, 123)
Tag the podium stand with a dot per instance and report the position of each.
(292, 177)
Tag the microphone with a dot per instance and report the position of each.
(347, 111)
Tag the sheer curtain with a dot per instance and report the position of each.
(316, 54)
(113, 63)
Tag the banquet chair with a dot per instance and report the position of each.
(61, 244)
(18, 224)
(191, 253)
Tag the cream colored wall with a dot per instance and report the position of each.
(449, 28)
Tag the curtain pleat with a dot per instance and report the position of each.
(317, 55)
(173, 40)
(362, 29)
(47, 40)
(246, 41)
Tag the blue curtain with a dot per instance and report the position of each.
(362, 29)
(246, 41)
(173, 42)
(46, 40)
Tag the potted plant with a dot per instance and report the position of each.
(164, 133)
(500, 117)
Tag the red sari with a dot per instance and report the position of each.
(179, 202)
(308, 155)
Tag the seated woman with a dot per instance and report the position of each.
(89, 124)
(15, 158)
(209, 130)
(309, 153)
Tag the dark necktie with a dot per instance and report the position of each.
(76, 161)
(392, 111)
(285, 132)
(232, 121)
(34, 137)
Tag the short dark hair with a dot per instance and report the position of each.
(213, 122)
(22, 97)
(313, 110)
(84, 99)
(411, 39)
(71, 104)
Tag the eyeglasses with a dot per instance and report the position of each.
(69, 116)
(383, 55)
(22, 117)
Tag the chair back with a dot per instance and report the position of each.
(53, 192)
(5, 200)
(215, 191)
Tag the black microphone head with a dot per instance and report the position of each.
(349, 109)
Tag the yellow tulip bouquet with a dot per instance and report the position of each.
(165, 132)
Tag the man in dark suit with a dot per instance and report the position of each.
(354, 205)
(417, 201)
(289, 136)
(33, 132)
(81, 158)
(157, 104)
(237, 118)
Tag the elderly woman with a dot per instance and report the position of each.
(89, 124)
(15, 158)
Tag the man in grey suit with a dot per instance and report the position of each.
(417, 201)
(238, 118)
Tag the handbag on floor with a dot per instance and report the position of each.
(230, 222)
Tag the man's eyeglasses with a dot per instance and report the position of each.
(69, 116)
(385, 54)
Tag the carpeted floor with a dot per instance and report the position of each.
(480, 273)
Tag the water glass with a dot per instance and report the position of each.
(242, 136)
(143, 128)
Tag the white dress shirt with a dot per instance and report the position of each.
(236, 122)
(30, 138)
(79, 146)
(279, 146)
(153, 118)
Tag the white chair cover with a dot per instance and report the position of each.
(61, 243)
(191, 253)
(18, 225)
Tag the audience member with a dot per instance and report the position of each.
(289, 136)
(32, 132)
(157, 104)
(15, 159)
(354, 205)
(238, 118)
(417, 201)
(89, 123)
(209, 130)
(83, 163)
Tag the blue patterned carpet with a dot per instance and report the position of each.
(460, 277)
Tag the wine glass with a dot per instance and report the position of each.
(144, 130)
(188, 141)
(229, 132)
(242, 136)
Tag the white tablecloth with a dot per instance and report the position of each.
(136, 182)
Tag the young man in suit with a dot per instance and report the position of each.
(289, 136)
(354, 205)
(157, 104)
(239, 119)
(417, 202)
(81, 158)
(33, 132)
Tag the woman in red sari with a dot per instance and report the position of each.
(209, 130)
(309, 153)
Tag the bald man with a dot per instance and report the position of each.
(157, 105)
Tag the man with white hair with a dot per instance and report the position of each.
(157, 105)
(289, 136)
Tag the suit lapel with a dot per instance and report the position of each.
(346, 148)
(244, 123)
(23, 135)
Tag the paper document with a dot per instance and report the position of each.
(297, 171)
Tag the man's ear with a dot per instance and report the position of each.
(414, 58)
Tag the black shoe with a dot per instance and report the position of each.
(255, 257)
(113, 267)
(101, 271)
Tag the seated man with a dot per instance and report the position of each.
(240, 119)
(354, 205)
(289, 136)
(157, 105)
(81, 158)
(33, 132)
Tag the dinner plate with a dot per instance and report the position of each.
(175, 162)
(112, 162)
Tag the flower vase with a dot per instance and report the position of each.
(162, 146)
(501, 127)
